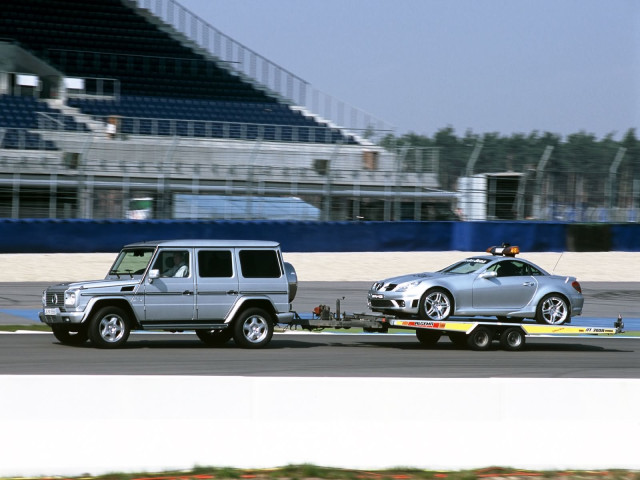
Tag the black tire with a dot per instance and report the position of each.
(427, 337)
(253, 328)
(109, 327)
(459, 339)
(480, 338)
(215, 338)
(436, 304)
(512, 339)
(553, 309)
(70, 337)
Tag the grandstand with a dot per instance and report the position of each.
(105, 102)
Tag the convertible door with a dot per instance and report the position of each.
(503, 293)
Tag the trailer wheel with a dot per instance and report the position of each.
(215, 338)
(480, 338)
(427, 337)
(253, 328)
(512, 339)
(436, 304)
(459, 339)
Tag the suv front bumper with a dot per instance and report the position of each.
(52, 316)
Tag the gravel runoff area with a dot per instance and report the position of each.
(343, 266)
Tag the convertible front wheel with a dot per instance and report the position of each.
(436, 304)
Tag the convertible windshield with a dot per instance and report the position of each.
(469, 265)
(132, 262)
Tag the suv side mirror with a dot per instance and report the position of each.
(153, 274)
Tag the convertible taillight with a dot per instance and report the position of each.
(575, 284)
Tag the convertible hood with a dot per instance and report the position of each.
(411, 277)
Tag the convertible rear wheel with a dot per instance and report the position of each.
(436, 304)
(553, 310)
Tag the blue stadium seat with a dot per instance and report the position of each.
(159, 77)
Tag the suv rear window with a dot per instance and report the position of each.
(215, 263)
(259, 264)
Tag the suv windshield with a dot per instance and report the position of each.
(132, 262)
(469, 265)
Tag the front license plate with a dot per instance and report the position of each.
(49, 311)
(377, 296)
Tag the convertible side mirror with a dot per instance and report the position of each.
(490, 274)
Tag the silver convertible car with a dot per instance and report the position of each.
(497, 285)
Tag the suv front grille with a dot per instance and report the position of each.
(54, 298)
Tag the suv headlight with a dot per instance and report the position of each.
(403, 287)
(70, 298)
(44, 298)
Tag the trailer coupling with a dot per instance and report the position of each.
(322, 317)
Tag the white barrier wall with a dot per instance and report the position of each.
(71, 425)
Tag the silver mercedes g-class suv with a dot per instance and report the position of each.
(219, 288)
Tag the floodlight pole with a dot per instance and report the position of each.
(474, 157)
(542, 164)
(613, 173)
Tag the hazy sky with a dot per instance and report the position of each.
(503, 66)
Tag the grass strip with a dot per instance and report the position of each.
(313, 472)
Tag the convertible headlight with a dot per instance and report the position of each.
(403, 287)
(70, 298)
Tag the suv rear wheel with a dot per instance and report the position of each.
(215, 338)
(253, 328)
(109, 327)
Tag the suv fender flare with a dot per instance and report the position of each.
(252, 301)
(97, 302)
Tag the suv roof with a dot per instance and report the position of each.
(205, 243)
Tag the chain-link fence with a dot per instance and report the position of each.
(150, 177)
(65, 174)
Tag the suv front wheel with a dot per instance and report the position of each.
(253, 328)
(109, 327)
(69, 337)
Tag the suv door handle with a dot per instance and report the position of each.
(187, 292)
(232, 292)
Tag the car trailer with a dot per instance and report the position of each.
(475, 334)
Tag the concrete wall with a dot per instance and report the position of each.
(73, 425)
(83, 236)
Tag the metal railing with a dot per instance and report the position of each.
(244, 60)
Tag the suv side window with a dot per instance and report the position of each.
(259, 264)
(173, 263)
(215, 264)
